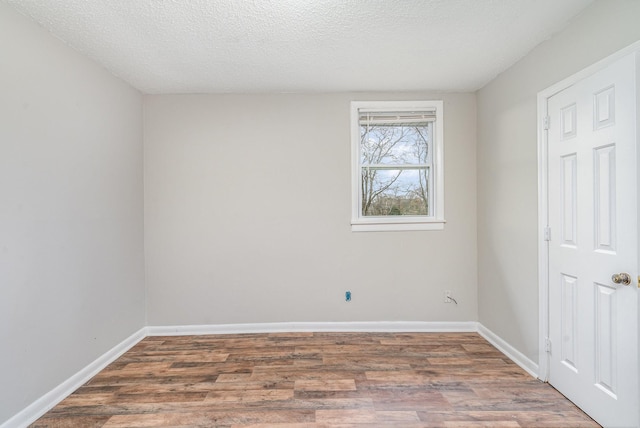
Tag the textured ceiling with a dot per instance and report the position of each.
(221, 46)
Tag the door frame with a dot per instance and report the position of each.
(543, 201)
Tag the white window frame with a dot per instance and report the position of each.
(435, 221)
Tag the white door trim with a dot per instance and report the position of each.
(543, 202)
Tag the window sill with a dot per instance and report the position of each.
(382, 226)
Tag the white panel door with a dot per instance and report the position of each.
(593, 321)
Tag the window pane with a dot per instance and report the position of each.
(388, 192)
(395, 144)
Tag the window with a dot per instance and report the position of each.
(397, 165)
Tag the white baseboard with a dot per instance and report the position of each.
(45, 403)
(516, 356)
(283, 327)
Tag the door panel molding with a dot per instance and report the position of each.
(543, 201)
(602, 220)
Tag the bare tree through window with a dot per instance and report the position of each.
(395, 163)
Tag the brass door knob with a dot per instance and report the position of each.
(621, 278)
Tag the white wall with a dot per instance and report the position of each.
(507, 165)
(247, 216)
(71, 213)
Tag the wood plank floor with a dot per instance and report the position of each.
(315, 380)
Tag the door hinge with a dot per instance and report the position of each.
(545, 123)
(547, 233)
(547, 345)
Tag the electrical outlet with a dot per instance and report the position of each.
(447, 296)
(347, 296)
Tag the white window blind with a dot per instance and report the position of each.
(395, 118)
